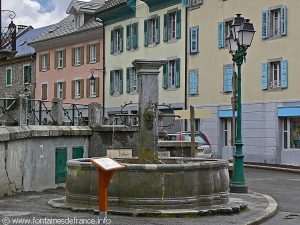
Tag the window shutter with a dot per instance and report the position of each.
(284, 74)
(64, 89)
(65, 58)
(178, 24)
(55, 60)
(228, 71)
(121, 82)
(44, 91)
(177, 81)
(194, 34)
(73, 89)
(128, 75)
(97, 86)
(40, 63)
(73, 56)
(186, 3)
(87, 81)
(193, 84)
(283, 14)
(112, 50)
(264, 76)
(146, 33)
(48, 61)
(8, 77)
(29, 75)
(220, 34)
(157, 30)
(165, 75)
(121, 38)
(98, 52)
(82, 55)
(265, 24)
(82, 88)
(88, 50)
(55, 90)
(135, 37)
(111, 89)
(128, 37)
(166, 28)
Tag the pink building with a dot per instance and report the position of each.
(66, 55)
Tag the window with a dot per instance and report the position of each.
(117, 40)
(44, 62)
(171, 78)
(197, 125)
(194, 36)
(193, 82)
(60, 58)
(131, 80)
(172, 26)
(223, 31)
(227, 78)
(27, 74)
(274, 22)
(116, 82)
(44, 91)
(93, 53)
(227, 132)
(78, 20)
(8, 80)
(191, 3)
(78, 89)
(132, 36)
(274, 75)
(291, 133)
(60, 90)
(77, 56)
(92, 88)
(227, 25)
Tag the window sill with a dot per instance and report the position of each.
(116, 94)
(44, 70)
(133, 93)
(77, 97)
(275, 89)
(193, 95)
(227, 92)
(59, 68)
(93, 62)
(171, 88)
(194, 7)
(116, 53)
(133, 49)
(77, 64)
(274, 37)
(171, 41)
(94, 96)
(152, 45)
(194, 53)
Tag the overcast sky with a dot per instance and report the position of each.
(36, 13)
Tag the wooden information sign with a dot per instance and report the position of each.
(106, 167)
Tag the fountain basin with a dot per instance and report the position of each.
(176, 183)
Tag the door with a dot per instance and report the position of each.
(60, 165)
(77, 152)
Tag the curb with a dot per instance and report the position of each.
(290, 170)
(268, 213)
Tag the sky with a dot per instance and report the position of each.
(37, 13)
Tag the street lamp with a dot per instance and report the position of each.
(239, 40)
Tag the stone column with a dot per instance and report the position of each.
(95, 114)
(147, 72)
(23, 108)
(57, 111)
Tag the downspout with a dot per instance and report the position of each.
(104, 72)
(186, 65)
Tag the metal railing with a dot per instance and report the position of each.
(5, 106)
(74, 114)
(40, 111)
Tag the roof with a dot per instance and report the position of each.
(25, 37)
(83, 6)
(110, 4)
(65, 27)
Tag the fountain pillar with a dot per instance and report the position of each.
(147, 72)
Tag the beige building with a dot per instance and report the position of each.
(270, 93)
(146, 29)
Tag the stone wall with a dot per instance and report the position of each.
(27, 155)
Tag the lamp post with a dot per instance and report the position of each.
(239, 40)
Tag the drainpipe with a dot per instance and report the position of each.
(186, 66)
(104, 71)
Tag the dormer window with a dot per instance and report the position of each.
(78, 20)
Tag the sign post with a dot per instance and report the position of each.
(106, 167)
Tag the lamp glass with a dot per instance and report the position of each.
(236, 24)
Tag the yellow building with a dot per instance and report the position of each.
(270, 79)
(148, 29)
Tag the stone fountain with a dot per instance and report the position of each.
(150, 183)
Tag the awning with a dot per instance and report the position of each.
(288, 111)
(226, 113)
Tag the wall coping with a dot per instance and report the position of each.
(115, 128)
(21, 132)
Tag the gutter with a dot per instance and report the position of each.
(186, 65)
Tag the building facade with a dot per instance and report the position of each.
(270, 93)
(150, 30)
(67, 57)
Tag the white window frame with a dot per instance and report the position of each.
(44, 62)
(11, 76)
(152, 36)
(60, 59)
(77, 57)
(92, 89)
(172, 74)
(227, 132)
(172, 20)
(195, 3)
(227, 24)
(25, 65)
(275, 74)
(93, 53)
(133, 80)
(275, 22)
(117, 77)
(60, 90)
(78, 20)
(77, 89)
(117, 40)
(286, 130)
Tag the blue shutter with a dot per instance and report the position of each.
(121, 82)
(146, 33)
(228, 71)
(264, 76)
(177, 77)
(165, 75)
(220, 34)
(157, 30)
(265, 24)
(283, 14)
(284, 74)
(193, 83)
(194, 39)
(178, 24)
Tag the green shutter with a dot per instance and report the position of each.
(178, 24)
(177, 81)
(157, 30)
(165, 75)
(121, 38)
(166, 36)
(121, 82)
(60, 165)
(146, 33)
(135, 28)
(128, 37)
(77, 152)
(111, 90)
(29, 76)
(112, 42)
(8, 76)
(128, 75)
